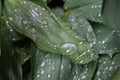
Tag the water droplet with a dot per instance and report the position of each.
(42, 64)
(62, 66)
(103, 42)
(99, 14)
(69, 47)
(40, 14)
(45, 22)
(83, 77)
(42, 72)
(49, 76)
(38, 75)
(90, 30)
(99, 6)
(113, 62)
(110, 68)
(99, 79)
(38, 71)
(43, 9)
(36, 9)
(98, 73)
(53, 68)
(10, 18)
(80, 42)
(88, 50)
(81, 61)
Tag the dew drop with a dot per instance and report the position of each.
(83, 77)
(81, 43)
(42, 64)
(49, 76)
(113, 62)
(99, 14)
(103, 42)
(42, 72)
(62, 66)
(111, 67)
(69, 47)
(38, 76)
(45, 22)
(81, 61)
(10, 18)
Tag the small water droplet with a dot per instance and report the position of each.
(99, 14)
(62, 66)
(113, 62)
(38, 75)
(98, 73)
(83, 77)
(81, 61)
(49, 76)
(42, 72)
(42, 64)
(45, 22)
(103, 42)
(43, 9)
(80, 42)
(10, 18)
(36, 9)
(110, 68)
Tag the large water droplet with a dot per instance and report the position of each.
(69, 47)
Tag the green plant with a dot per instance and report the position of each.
(76, 41)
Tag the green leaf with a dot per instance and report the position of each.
(49, 32)
(107, 67)
(111, 14)
(81, 26)
(107, 43)
(116, 75)
(88, 71)
(91, 11)
(83, 72)
(10, 67)
(49, 66)
(76, 70)
(77, 3)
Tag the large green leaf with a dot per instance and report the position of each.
(111, 14)
(49, 66)
(10, 67)
(48, 31)
(107, 67)
(107, 43)
(91, 11)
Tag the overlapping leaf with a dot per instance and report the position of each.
(77, 3)
(10, 67)
(92, 11)
(107, 67)
(48, 66)
(47, 31)
(107, 43)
